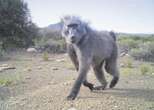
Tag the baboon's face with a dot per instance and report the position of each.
(73, 32)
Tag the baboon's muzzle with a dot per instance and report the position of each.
(72, 39)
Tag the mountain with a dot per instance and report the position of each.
(120, 34)
(54, 27)
(58, 26)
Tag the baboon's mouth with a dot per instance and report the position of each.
(72, 41)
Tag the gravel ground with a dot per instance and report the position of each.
(44, 85)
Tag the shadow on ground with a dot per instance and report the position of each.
(145, 94)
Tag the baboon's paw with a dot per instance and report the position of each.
(91, 87)
(114, 82)
(100, 87)
(71, 97)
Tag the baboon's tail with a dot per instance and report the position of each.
(113, 35)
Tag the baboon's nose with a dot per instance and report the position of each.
(72, 37)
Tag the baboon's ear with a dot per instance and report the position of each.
(85, 28)
(62, 20)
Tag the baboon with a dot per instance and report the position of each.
(87, 47)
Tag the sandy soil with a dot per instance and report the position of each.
(44, 85)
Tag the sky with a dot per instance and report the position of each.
(130, 16)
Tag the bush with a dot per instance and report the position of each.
(52, 43)
(45, 56)
(5, 82)
(144, 69)
(128, 62)
(52, 46)
(126, 71)
(1, 50)
(127, 43)
(16, 27)
(145, 52)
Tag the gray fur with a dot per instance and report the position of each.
(87, 47)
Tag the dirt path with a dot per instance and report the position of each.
(45, 86)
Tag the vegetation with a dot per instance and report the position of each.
(45, 56)
(144, 68)
(145, 52)
(18, 31)
(50, 41)
(16, 27)
(5, 82)
(139, 47)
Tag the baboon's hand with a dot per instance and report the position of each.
(91, 87)
(72, 96)
(99, 88)
(102, 87)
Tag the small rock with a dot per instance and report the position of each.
(28, 77)
(128, 55)
(28, 69)
(54, 68)
(6, 67)
(122, 65)
(31, 50)
(115, 106)
(39, 67)
(122, 54)
(65, 54)
(127, 82)
(1, 69)
(23, 99)
(72, 108)
(52, 83)
(60, 60)
(66, 83)
(90, 107)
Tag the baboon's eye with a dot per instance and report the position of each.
(73, 25)
(66, 32)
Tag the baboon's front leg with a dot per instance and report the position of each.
(74, 60)
(83, 69)
(73, 57)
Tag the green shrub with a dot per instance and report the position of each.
(5, 82)
(129, 43)
(16, 27)
(127, 62)
(145, 52)
(51, 43)
(125, 71)
(45, 56)
(144, 68)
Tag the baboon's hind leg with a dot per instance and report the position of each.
(100, 76)
(89, 85)
(111, 68)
